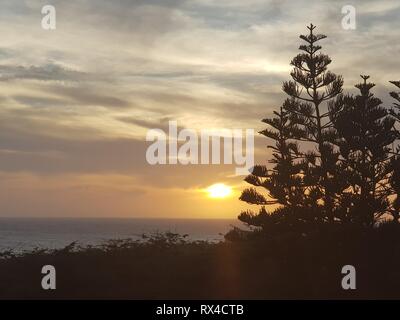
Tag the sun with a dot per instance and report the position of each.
(219, 191)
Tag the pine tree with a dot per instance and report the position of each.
(302, 185)
(310, 90)
(282, 184)
(395, 112)
(395, 184)
(366, 134)
(395, 179)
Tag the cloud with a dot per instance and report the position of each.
(49, 72)
(76, 103)
(84, 96)
(39, 102)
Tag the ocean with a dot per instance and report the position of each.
(28, 233)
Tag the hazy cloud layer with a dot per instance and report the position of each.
(76, 103)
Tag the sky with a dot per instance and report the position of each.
(76, 102)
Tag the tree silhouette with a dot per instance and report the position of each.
(366, 133)
(395, 179)
(302, 184)
(396, 95)
(311, 87)
(333, 154)
(282, 183)
(395, 184)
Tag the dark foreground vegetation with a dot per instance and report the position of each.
(289, 266)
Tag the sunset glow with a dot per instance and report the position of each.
(77, 103)
(219, 190)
